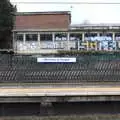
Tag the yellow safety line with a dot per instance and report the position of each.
(62, 89)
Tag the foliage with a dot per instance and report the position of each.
(76, 52)
(7, 19)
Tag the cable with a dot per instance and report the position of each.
(65, 2)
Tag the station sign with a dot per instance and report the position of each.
(56, 60)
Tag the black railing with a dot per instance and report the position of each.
(88, 68)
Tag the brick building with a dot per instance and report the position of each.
(38, 32)
(48, 32)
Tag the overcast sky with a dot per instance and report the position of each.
(94, 13)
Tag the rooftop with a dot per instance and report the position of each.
(43, 13)
(95, 26)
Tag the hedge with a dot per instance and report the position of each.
(76, 52)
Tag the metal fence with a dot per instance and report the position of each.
(88, 68)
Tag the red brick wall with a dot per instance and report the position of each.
(42, 21)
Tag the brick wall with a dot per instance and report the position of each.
(42, 21)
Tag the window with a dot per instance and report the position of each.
(19, 37)
(75, 36)
(106, 34)
(31, 37)
(90, 36)
(45, 37)
(61, 36)
(117, 36)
